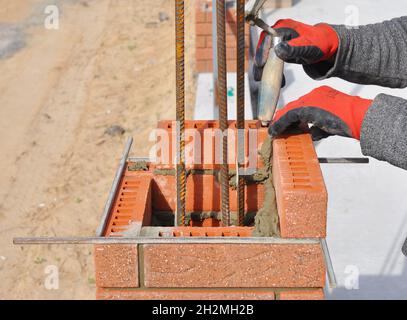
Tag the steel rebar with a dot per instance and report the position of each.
(113, 190)
(240, 112)
(223, 112)
(179, 218)
(156, 240)
(344, 160)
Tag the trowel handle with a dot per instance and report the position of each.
(270, 85)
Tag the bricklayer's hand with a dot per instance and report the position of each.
(302, 44)
(331, 112)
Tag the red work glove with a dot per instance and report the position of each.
(330, 111)
(302, 43)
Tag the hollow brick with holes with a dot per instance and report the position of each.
(203, 31)
(300, 190)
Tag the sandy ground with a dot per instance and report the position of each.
(111, 62)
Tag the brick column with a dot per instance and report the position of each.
(287, 267)
(204, 37)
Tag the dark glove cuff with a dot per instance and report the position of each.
(326, 69)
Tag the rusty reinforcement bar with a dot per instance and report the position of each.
(223, 106)
(179, 218)
(240, 74)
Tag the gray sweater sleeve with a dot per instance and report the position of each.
(375, 54)
(384, 130)
(371, 54)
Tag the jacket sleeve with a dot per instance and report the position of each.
(370, 54)
(384, 130)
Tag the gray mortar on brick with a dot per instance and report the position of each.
(266, 220)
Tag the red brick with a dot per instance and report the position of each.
(200, 15)
(233, 265)
(243, 232)
(204, 54)
(230, 42)
(209, 65)
(163, 294)
(209, 16)
(300, 189)
(316, 294)
(206, 157)
(203, 29)
(231, 53)
(201, 42)
(203, 194)
(230, 15)
(116, 266)
(132, 203)
(201, 66)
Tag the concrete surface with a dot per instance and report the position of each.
(367, 206)
(204, 108)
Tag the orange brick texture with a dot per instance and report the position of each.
(300, 189)
(203, 30)
(285, 271)
(211, 271)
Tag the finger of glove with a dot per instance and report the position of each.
(287, 33)
(320, 118)
(288, 23)
(290, 118)
(298, 54)
(318, 134)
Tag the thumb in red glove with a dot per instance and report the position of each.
(330, 111)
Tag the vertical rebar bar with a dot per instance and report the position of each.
(215, 61)
(180, 112)
(240, 112)
(223, 107)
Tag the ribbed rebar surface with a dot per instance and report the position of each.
(223, 108)
(240, 104)
(180, 112)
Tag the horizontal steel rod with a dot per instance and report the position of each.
(344, 160)
(158, 240)
(113, 189)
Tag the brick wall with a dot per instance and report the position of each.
(203, 18)
(210, 271)
(204, 37)
(290, 267)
